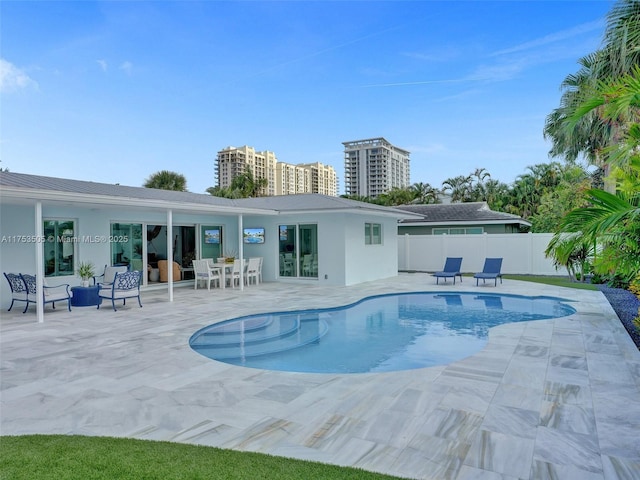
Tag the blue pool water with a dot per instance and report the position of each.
(378, 334)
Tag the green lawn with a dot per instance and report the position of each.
(65, 457)
(548, 280)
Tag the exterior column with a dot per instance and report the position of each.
(39, 264)
(170, 253)
(241, 251)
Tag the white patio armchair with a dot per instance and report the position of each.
(204, 272)
(253, 271)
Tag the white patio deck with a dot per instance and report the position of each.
(545, 399)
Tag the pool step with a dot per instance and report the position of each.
(275, 335)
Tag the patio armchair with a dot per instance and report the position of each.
(204, 272)
(50, 294)
(18, 289)
(491, 270)
(125, 285)
(164, 271)
(451, 270)
(109, 274)
(253, 271)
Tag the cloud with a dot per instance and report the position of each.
(127, 67)
(553, 38)
(12, 78)
(103, 64)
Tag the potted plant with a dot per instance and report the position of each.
(229, 256)
(86, 272)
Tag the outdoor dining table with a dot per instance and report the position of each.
(222, 267)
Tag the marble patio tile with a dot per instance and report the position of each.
(569, 376)
(549, 471)
(501, 453)
(609, 368)
(574, 362)
(471, 473)
(378, 457)
(474, 398)
(617, 468)
(511, 421)
(518, 396)
(567, 448)
(446, 452)
(413, 464)
(620, 440)
(567, 342)
(452, 424)
(536, 351)
(568, 418)
(262, 436)
(526, 374)
(567, 393)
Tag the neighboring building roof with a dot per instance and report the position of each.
(314, 202)
(459, 213)
(35, 187)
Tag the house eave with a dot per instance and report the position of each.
(30, 196)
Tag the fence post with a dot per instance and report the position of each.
(406, 252)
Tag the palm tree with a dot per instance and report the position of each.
(424, 193)
(167, 180)
(460, 188)
(619, 54)
(248, 185)
(613, 219)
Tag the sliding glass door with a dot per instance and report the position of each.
(298, 250)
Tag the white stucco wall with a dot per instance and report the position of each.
(343, 258)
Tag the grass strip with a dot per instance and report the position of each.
(71, 457)
(552, 280)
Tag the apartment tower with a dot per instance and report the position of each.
(233, 161)
(283, 178)
(374, 166)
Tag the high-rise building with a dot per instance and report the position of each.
(233, 161)
(323, 178)
(374, 166)
(283, 178)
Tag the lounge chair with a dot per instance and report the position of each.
(125, 285)
(451, 270)
(490, 271)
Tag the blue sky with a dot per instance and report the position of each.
(115, 91)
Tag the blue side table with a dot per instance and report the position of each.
(85, 296)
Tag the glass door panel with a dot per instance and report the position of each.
(308, 250)
(287, 250)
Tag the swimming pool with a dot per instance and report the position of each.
(377, 334)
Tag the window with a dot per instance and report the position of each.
(372, 234)
(59, 247)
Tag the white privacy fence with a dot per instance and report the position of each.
(522, 253)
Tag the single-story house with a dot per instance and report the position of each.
(49, 225)
(459, 219)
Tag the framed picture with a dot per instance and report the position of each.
(253, 235)
(212, 236)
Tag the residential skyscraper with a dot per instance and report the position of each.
(283, 178)
(374, 166)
